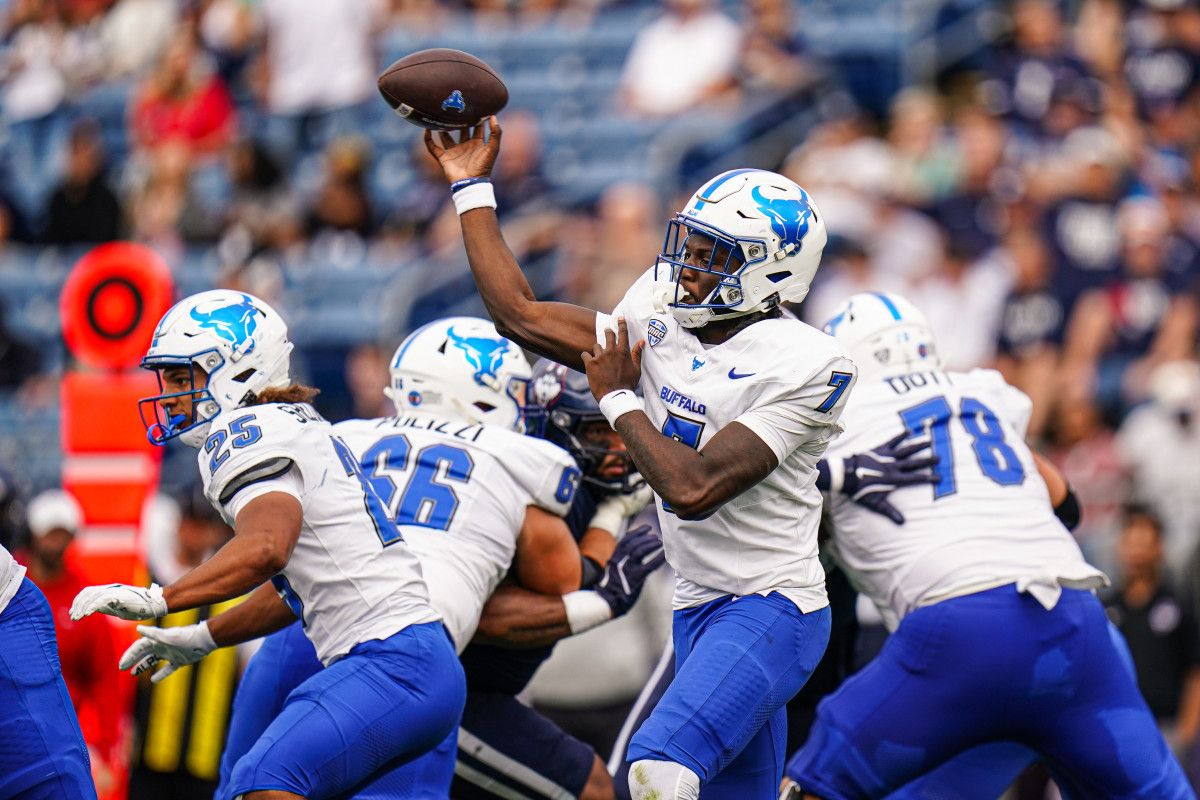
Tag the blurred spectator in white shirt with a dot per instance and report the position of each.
(34, 78)
(135, 33)
(320, 62)
(683, 58)
(963, 302)
(1159, 443)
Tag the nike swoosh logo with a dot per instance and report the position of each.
(733, 375)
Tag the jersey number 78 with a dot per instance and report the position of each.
(997, 460)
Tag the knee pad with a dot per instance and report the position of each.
(662, 780)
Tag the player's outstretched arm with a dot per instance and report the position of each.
(265, 533)
(263, 613)
(516, 617)
(693, 482)
(559, 331)
(869, 478)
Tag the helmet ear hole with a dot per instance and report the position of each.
(484, 407)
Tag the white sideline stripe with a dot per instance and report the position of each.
(106, 467)
(489, 784)
(514, 769)
(107, 539)
(622, 743)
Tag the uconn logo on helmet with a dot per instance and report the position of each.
(789, 217)
(235, 324)
(485, 355)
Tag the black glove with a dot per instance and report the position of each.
(638, 554)
(872, 476)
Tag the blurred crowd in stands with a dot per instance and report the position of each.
(1036, 196)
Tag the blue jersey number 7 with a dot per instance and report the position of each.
(839, 381)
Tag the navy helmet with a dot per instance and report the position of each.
(558, 406)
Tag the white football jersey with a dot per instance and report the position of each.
(459, 493)
(785, 381)
(986, 522)
(351, 578)
(11, 575)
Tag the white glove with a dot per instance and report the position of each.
(120, 600)
(179, 646)
(613, 511)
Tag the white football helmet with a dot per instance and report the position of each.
(766, 235)
(235, 339)
(884, 335)
(460, 367)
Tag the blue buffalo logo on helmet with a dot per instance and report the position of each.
(454, 102)
(235, 324)
(789, 217)
(655, 331)
(485, 355)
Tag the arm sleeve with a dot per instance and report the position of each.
(807, 415)
(245, 449)
(549, 475)
(634, 307)
(288, 481)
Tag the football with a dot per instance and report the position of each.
(442, 89)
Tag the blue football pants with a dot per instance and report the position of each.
(356, 729)
(738, 662)
(988, 667)
(42, 752)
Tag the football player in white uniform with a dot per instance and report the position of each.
(314, 538)
(997, 632)
(740, 404)
(455, 466)
(471, 495)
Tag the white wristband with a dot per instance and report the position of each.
(477, 195)
(585, 610)
(619, 402)
(609, 517)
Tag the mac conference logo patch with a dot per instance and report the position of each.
(655, 332)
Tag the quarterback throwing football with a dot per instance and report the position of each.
(738, 405)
